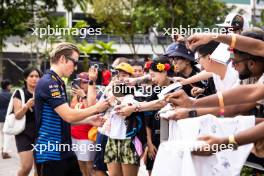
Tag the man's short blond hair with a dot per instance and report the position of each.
(120, 60)
(65, 49)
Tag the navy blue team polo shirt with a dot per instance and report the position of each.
(53, 140)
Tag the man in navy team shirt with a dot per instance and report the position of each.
(52, 150)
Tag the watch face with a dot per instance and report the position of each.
(193, 113)
(91, 82)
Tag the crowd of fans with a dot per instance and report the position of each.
(111, 128)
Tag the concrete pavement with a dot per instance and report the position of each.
(9, 167)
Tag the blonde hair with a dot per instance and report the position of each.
(65, 49)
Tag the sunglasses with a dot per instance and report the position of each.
(234, 63)
(75, 63)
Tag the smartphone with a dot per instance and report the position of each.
(76, 83)
(169, 89)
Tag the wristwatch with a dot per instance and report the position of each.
(91, 82)
(193, 113)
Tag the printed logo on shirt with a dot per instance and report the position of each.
(55, 94)
(55, 91)
(53, 86)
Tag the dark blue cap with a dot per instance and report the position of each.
(171, 49)
(182, 51)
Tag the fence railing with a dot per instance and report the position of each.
(138, 39)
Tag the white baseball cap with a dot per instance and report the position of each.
(234, 20)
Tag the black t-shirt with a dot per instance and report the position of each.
(30, 117)
(152, 120)
(187, 88)
(210, 87)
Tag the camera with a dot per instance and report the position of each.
(113, 71)
(96, 65)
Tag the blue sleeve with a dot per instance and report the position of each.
(51, 93)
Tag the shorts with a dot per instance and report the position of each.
(121, 151)
(99, 164)
(86, 149)
(66, 167)
(24, 142)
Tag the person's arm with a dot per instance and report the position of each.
(143, 106)
(149, 140)
(152, 150)
(246, 44)
(151, 105)
(79, 94)
(230, 111)
(259, 120)
(244, 94)
(243, 43)
(198, 77)
(95, 120)
(74, 115)
(138, 80)
(20, 110)
(91, 96)
(50, 92)
(251, 135)
(248, 136)
(74, 101)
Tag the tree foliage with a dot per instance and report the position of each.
(17, 16)
(129, 17)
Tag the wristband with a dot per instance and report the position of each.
(233, 41)
(231, 140)
(91, 82)
(232, 46)
(221, 104)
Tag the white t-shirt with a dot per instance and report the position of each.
(182, 163)
(116, 127)
(230, 80)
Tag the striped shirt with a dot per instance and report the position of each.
(53, 140)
